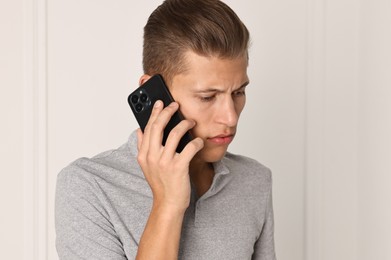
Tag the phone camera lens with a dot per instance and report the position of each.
(139, 107)
(134, 99)
(143, 98)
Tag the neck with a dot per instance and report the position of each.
(201, 175)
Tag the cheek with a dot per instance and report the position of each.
(202, 118)
(191, 110)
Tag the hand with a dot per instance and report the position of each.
(166, 171)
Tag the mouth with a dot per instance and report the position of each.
(222, 139)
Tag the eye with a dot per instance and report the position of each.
(239, 93)
(207, 98)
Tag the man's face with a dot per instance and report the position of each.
(212, 93)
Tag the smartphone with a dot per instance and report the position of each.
(141, 102)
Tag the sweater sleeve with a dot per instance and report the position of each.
(264, 247)
(83, 227)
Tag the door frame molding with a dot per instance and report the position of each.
(35, 154)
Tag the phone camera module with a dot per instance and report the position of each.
(140, 101)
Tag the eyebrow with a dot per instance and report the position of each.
(215, 90)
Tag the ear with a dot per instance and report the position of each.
(144, 79)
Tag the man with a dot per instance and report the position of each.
(144, 200)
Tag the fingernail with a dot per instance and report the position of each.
(158, 104)
(173, 104)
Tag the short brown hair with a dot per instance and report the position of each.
(206, 27)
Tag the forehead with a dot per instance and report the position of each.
(216, 72)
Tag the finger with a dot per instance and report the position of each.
(191, 149)
(157, 108)
(175, 136)
(157, 127)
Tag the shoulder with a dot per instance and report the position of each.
(110, 167)
(90, 186)
(77, 175)
(84, 209)
(77, 180)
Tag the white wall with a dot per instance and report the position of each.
(318, 114)
(331, 134)
(348, 124)
(374, 153)
(11, 115)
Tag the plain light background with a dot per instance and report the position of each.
(318, 114)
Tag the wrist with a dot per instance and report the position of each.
(168, 210)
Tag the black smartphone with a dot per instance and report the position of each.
(141, 102)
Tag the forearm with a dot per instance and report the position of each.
(161, 236)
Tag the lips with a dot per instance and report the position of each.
(222, 139)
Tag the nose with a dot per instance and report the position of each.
(227, 114)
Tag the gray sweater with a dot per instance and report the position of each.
(103, 203)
